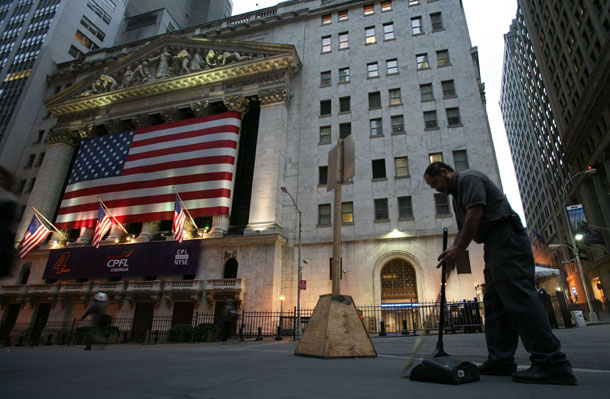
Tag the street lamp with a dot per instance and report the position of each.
(592, 315)
(299, 269)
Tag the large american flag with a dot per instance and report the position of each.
(136, 173)
(34, 235)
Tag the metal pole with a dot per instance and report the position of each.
(336, 284)
(299, 333)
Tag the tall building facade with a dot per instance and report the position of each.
(400, 78)
(556, 65)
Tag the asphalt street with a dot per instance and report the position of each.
(269, 369)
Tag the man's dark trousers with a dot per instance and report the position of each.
(512, 307)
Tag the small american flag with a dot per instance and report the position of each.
(178, 220)
(103, 225)
(135, 173)
(34, 235)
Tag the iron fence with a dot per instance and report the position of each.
(403, 319)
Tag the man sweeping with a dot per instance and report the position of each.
(512, 307)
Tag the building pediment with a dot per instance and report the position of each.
(173, 64)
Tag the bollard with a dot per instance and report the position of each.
(259, 336)
(382, 333)
(405, 331)
(125, 337)
(241, 334)
(278, 337)
(156, 336)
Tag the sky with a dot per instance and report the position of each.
(488, 21)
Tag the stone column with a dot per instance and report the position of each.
(269, 164)
(48, 189)
(85, 236)
(220, 225)
(148, 230)
(116, 233)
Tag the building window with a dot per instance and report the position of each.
(344, 104)
(90, 26)
(345, 129)
(40, 136)
(21, 186)
(372, 70)
(416, 26)
(388, 31)
(374, 100)
(386, 6)
(325, 107)
(31, 161)
(430, 120)
(448, 89)
(413, 2)
(395, 97)
(422, 61)
(343, 40)
(379, 169)
(40, 159)
(326, 19)
(401, 166)
(405, 209)
(85, 41)
(443, 58)
(392, 66)
(441, 202)
(453, 117)
(381, 209)
(326, 44)
(460, 160)
(398, 124)
(435, 157)
(322, 175)
(426, 92)
(344, 75)
(325, 137)
(347, 212)
(436, 21)
(31, 186)
(324, 215)
(342, 15)
(74, 52)
(369, 9)
(376, 128)
(325, 78)
(398, 281)
(370, 35)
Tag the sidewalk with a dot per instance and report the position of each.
(268, 369)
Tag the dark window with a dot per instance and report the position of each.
(430, 119)
(375, 100)
(345, 129)
(325, 107)
(437, 21)
(381, 209)
(441, 202)
(398, 124)
(344, 104)
(230, 270)
(324, 215)
(323, 175)
(405, 208)
(378, 169)
(453, 117)
(448, 88)
(426, 92)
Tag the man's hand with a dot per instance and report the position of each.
(450, 256)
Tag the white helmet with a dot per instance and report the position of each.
(101, 297)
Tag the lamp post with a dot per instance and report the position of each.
(592, 315)
(298, 333)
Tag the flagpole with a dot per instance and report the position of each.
(185, 209)
(37, 212)
(112, 216)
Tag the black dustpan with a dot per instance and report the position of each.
(440, 367)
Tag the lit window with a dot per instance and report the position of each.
(376, 127)
(401, 166)
(370, 35)
(388, 31)
(426, 92)
(395, 97)
(344, 75)
(398, 124)
(413, 2)
(430, 120)
(443, 58)
(342, 15)
(347, 212)
(422, 61)
(343, 40)
(326, 44)
(372, 70)
(326, 19)
(324, 215)
(392, 66)
(381, 209)
(386, 6)
(453, 117)
(416, 26)
(369, 9)
(325, 137)
(435, 157)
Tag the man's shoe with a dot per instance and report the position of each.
(493, 368)
(560, 374)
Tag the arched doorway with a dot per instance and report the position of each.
(398, 294)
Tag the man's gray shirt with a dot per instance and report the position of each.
(473, 188)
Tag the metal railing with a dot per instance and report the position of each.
(406, 319)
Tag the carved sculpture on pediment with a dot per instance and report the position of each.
(211, 59)
(163, 66)
(85, 131)
(230, 56)
(200, 108)
(196, 62)
(184, 60)
(127, 77)
(141, 74)
(103, 84)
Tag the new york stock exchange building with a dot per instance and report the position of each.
(237, 118)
